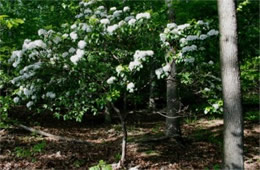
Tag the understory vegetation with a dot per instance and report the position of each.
(102, 85)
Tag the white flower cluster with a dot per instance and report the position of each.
(75, 58)
(26, 72)
(29, 45)
(164, 71)
(200, 22)
(111, 80)
(130, 87)
(16, 58)
(82, 44)
(112, 28)
(42, 32)
(212, 32)
(73, 36)
(189, 48)
(139, 57)
(145, 15)
(50, 95)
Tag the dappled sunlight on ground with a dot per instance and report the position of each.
(201, 147)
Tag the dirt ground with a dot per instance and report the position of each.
(201, 147)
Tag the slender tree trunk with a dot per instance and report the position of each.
(151, 91)
(172, 125)
(124, 139)
(233, 119)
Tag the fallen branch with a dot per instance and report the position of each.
(51, 136)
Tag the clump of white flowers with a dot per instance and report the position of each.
(105, 21)
(16, 99)
(50, 95)
(145, 15)
(111, 80)
(130, 87)
(73, 36)
(29, 45)
(163, 72)
(112, 28)
(212, 32)
(82, 44)
(139, 57)
(75, 58)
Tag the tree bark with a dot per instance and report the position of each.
(172, 125)
(124, 139)
(233, 119)
(151, 91)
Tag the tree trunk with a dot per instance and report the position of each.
(233, 119)
(124, 139)
(172, 125)
(151, 91)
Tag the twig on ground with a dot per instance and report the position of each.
(51, 136)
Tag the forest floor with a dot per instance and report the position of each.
(202, 147)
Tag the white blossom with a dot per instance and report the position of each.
(75, 58)
(29, 45)
(65, 54)
(203, 36)
(211, 62)
(50, 95)
(79, 15)
(17, 57)
(119, 69)
(182, 27)
(126, 9)
(65, 36)
(105, 21)
(135, 65)
(167, 68)
(171, 25)
(86, 27)
(57, 39)
(87, 11)
(200, 22)
(42, 32)
(162, 37)
(145, 15)
(117, 13)
(29, 104)
(192, 37)
(112, 28)
(140, 55)
(73, 36)
(216, 106)
(132, 21)
(16, 99)
(101, 8)
(121, 23)
(113, 9)
(212, 32)
(129, 18)
(206, 89)
(159, 72)
(82, 44)
(189, 48)
(73, 26)
(72, 50)
(130, 87)
(111, 80)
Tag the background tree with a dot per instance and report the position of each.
(233, 119)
